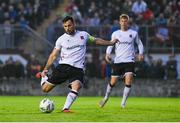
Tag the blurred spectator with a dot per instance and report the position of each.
(170, 24)
(9, 68)
(1, 15)
(161, 20)
(12, 12)
(127, 5)
(141, 69)
(113, 28)
(155, 7)
(23, 22)
(162, 35)
(19, 73)
(177, 17)
(95, 20)
(103, 69)
(108, 71)
(171, 67)
(159, 70)
(90, 68)
(1, 69)
(148, 16)
(139, 7)
(33, 67)
(77, 15)
(33, 11)
(174, 5)
(167, 11)
(133, 25)
(161, 31)
(8, 34)
(151, 67)
(86, 20)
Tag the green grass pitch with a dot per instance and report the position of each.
(86, 109)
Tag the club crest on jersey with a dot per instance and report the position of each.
(82, 37)
(130, 36)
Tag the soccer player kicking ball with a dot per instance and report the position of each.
(124, 58)
(72, 48)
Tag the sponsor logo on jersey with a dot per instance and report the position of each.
(125, 42)
(82, 37)
(75, 46)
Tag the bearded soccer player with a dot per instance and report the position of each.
(72, 48)
(123, 65)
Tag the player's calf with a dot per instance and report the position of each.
(45, 85)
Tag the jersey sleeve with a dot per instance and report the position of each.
(139, 44)
(113, 36)
(58, 44)
(109, 50)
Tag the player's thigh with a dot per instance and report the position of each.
(129, 77)
(76, 85)
(47, 87)
(114, 80)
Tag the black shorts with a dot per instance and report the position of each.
(64, 72)
(119, 69)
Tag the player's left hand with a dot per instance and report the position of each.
(141, 57)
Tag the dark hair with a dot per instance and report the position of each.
(68, 18)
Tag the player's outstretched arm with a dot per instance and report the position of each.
(141, 50)
(108, 58)
(50, 61)
(108, 54)
(100, 41)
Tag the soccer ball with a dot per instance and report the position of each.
(46, 105)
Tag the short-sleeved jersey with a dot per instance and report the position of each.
(73, 48)
(124, 49)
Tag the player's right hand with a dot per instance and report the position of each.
(114, 41)
(44, 73)
(140, 57)
(108, 58)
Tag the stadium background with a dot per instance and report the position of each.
(29, 29)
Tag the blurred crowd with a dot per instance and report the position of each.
(95, 68)
(147, 69)
(161, 17)
(155, 69)
(26, 12)
(104, 12)
(15, 69)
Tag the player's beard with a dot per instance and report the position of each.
(70, 32)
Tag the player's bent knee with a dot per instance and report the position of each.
(76, 85)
